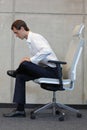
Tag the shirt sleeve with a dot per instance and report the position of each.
(42, 54)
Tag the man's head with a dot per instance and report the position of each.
(19, 27)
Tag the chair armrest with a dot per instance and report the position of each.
(57, 62)
(59, 70)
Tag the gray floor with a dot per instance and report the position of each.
(43, 121)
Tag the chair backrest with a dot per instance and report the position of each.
(73, 53)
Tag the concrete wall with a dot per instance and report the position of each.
(54, 19)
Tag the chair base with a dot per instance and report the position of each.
(57, 109)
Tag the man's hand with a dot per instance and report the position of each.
(25, 59)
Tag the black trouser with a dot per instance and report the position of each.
(29, 71)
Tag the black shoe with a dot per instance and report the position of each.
(15, 113)
(12, 73)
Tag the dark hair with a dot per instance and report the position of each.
(18, 24)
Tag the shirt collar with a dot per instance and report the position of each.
(29, 37)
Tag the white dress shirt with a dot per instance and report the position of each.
(40, 50)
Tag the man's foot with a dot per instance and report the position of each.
(12, 73)
(15, 113)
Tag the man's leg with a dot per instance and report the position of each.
(20, 90)
(33, 70)
(19, 97)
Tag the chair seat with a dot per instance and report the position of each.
(52, 84)
(52, 81)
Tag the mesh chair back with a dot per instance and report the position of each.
(73, 53)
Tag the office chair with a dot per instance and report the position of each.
(67, 76)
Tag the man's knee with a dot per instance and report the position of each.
(24, 64)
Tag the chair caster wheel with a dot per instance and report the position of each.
(79, 115)
(58, 112)
(61, 118)
(32, 115)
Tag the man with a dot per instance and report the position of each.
(32, 67)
